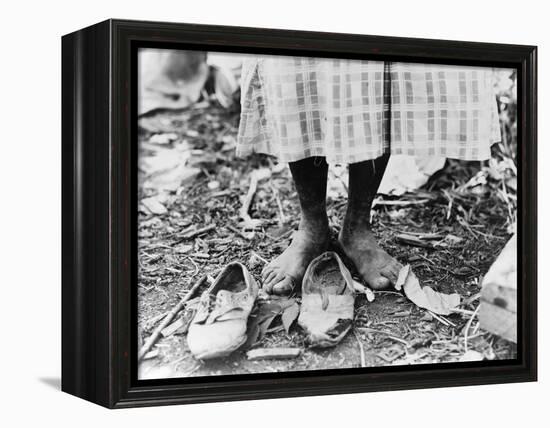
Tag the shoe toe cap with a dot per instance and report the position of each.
(207, 341)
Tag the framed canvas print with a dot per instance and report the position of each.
(252, 213)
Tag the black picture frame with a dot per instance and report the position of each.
(99, 356)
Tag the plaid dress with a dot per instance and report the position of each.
(350, 111)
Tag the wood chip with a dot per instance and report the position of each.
(273, 353)
(172, 328)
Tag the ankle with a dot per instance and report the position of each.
(354, 226)
(316, 228)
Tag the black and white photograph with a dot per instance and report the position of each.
(300, 213)
(240, 214)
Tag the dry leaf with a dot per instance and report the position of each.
(266, 312)
(289, 315)
(163, 138)
(154, 206)
(425, 297)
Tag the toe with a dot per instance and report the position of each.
(266, 270)
(283, 287)
(391, 272)
(270, 276)
(381, 283)
(271, 281)
(377, 282)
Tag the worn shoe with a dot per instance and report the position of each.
(219, 326)
(328, 298)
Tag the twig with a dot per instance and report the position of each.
(195, 265)
(413, 240)
(282, 217)
(449, 205)
(466, 226)
(462, 311)
(471, 299)
(468, 325)
(172, 328)
(153, 320)
(361, 349)
(397, 339)
(373, 330)
(507, 200)
(442, 320)
(238, 232)
(154, 337)
(379, 201)
(193, 233)
(255, 254)
(388, 292)
(243, 212)
(273, 353)
(425, 258)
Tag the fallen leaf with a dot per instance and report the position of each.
(425, 297)
(289, 315)
(265, 324)
(153, 205)
(163, 138)
(512, 183)
(151, 354)
(264, 315)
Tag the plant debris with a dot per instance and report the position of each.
(195, 175)
(425, 297)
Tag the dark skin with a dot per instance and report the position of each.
(376, 267)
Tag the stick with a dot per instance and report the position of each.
(172, 328)
(282, 217)
(373, 330)
(243, 212)
(256, 255)
(413, 240)
(361, 349)
(238, 232)
(273, 353)
(468, 325)
(154, 337)
(441, 319)
(193, 233)
(400, 203)
(153, 320)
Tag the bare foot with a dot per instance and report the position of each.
(283, 274)
(377, 268)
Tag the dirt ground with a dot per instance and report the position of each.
(461, 221)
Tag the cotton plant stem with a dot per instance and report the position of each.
(168, 319)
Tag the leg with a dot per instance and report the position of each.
(312, 237)
(376, 266)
